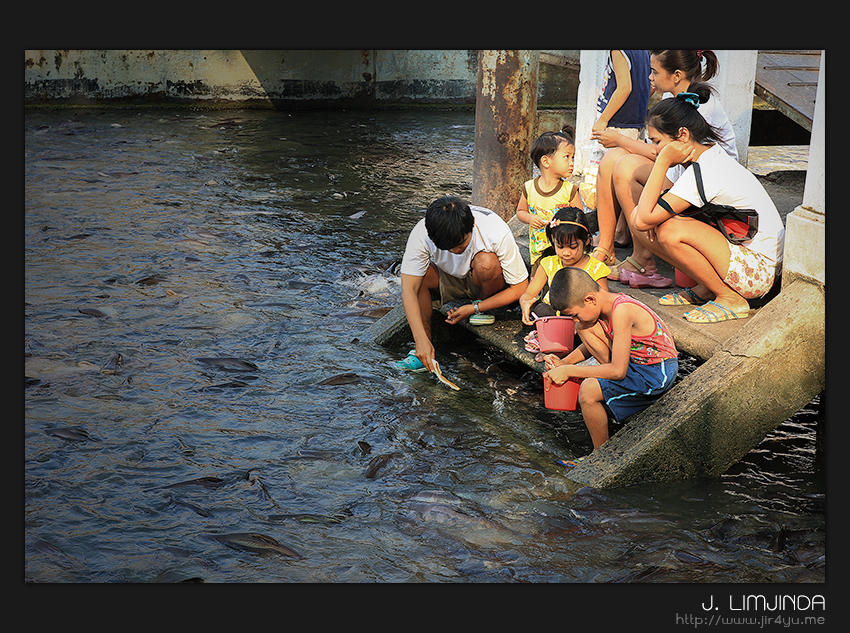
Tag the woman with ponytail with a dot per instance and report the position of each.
(673, 72)
(728, 272)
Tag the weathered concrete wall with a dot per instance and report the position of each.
(97, 76)
(269, 78)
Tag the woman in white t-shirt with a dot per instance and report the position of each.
(727, 274)
(672, 71)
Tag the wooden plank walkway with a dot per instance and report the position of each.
(788, 82)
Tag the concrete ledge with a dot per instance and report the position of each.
(392, 329)
(724, 408)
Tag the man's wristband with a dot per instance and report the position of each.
(475, 305)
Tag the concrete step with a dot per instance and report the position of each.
(701, 340)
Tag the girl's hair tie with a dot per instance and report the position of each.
(699, 54)
(690, 97)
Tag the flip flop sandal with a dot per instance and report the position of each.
(614, 275)
(482, 319)
(610, 260)
(676, 299)
(531, 342)
(725, 314)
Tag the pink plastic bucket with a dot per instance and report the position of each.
(555, 334)
(683, 281)
(562, 397)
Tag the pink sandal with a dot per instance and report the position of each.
(531, 343)
(647, 280)
(643, 278)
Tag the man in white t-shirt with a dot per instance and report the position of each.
(457, 252)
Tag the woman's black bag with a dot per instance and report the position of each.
(736, 225)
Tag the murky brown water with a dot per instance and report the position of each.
(166, 236)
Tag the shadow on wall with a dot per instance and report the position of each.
(363, 78)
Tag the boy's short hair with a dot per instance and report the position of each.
(448, 220)
(569, 287)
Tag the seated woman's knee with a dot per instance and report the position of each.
(606, 165)
(626, 165)
(671, 233)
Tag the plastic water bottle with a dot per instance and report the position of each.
(587, 188)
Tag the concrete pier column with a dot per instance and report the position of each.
(735, 83)
(805, 228)
(505, 107)
(590, 79)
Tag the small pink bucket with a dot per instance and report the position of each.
(562, 397)
(683, 281)
(555, 334)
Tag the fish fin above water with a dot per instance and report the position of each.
(346, 378)
(228, 363)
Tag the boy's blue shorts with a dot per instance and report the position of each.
(642, 385)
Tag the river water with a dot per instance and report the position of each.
(166, 236)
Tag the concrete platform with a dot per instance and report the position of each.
(757, 371)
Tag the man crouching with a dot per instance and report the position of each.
(457, 252)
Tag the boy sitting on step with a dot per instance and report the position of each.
(637, 356)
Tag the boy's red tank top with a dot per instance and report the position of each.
(645, 350)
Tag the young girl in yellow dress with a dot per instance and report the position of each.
(571, 245)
